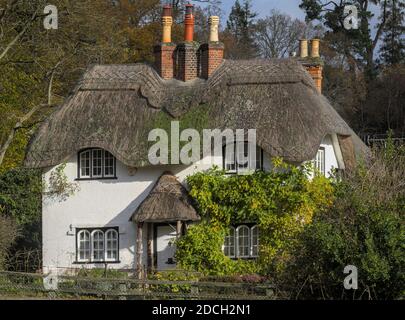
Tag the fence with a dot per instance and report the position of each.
(380, 140)
(26, 285)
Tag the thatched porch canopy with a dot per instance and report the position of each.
(167, 202)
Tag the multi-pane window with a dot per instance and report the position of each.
(319, 162)
(238, 158)
(84, 163)
(229, 245)
(96, 164)
(242, 242)
(83, 245)
(111, 238)
(254, 241)
(98, 245)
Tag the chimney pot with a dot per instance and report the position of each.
(315, 48)
(167, 22)
(214, 26)
(189, 23)
(303, 48)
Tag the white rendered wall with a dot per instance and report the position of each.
(111, 203)
(330, 155)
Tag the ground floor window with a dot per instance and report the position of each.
(242, 242)
(97, 244)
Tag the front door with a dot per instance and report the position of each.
(165, 248)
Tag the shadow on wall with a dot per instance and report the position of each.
(148, 174)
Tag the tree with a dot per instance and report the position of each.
(239, 33)
(392, 50)
(40, 67)
(357, 45)
(277, 35)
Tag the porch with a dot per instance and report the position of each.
(165, 214)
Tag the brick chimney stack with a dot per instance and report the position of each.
(164, 52)
(187, 52)
(212, 53)
(312, 63)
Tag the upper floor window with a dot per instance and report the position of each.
(97, 245)
(242, 242)
(96, 164)
(240, 160)
(319, 162)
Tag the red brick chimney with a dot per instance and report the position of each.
(164, 52)
(313, 62)
(187, 52)
(212, 53)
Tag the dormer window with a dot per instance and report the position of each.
(96, 164)
(244, 162)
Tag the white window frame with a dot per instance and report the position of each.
(116, 247)
(252, 244)
(93, 259)
(90, 153)
(319, 162)
(94, 158)
(238, 254)
(81, 160)
(105, 231)
(79, 241)
(228, 247)
(110, 156)
(258, 165)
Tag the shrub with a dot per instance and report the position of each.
(8, 234)
(364, 228)
(281, 202)
(20, 197)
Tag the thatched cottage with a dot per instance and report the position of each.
(127, 211)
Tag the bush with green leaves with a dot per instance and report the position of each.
(364, 228)
(8, 234)
(280, 202)
(20, 197)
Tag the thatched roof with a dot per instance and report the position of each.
(167, 202)
(115, 106)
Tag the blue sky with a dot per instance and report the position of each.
(263, 7)
(291, 7)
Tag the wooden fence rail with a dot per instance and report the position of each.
(66, 287)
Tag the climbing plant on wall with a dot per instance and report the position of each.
(280, 202)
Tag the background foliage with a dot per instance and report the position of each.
(364, 228)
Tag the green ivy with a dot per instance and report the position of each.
(280, 202)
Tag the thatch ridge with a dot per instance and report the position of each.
(115, 106)
(167, 202)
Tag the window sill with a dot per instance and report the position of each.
(96, 262)
(91, 179)
(243, 258)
